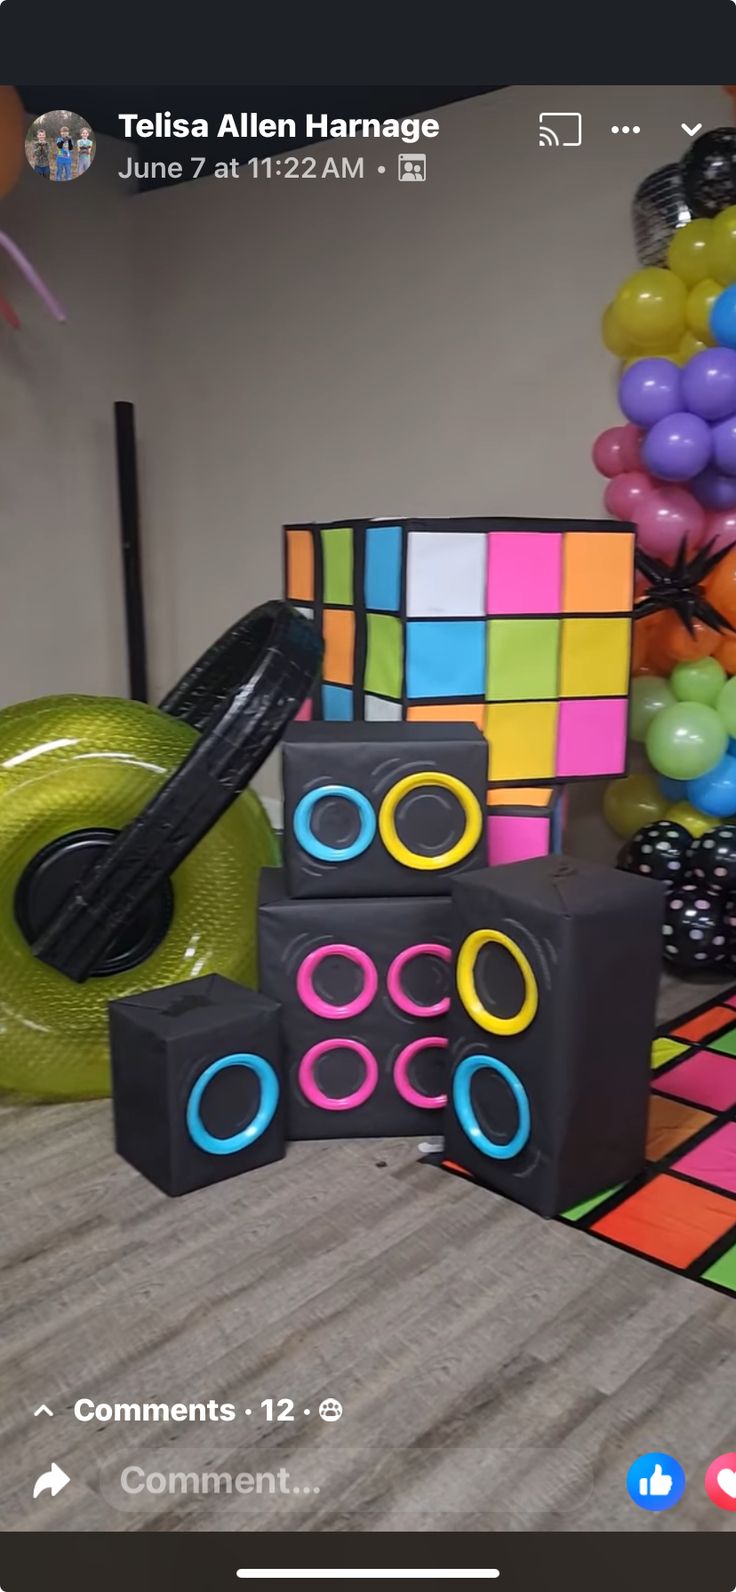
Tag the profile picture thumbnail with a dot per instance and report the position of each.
(60, 146)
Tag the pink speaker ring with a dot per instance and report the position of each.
(311, 1090)
(401, 1075)
(399, 997)
(308, 994)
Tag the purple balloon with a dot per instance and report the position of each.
(650, 390)
(713, 490)
(677, 448)
(724, 446)
(709, 383)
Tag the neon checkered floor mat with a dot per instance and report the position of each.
(681, 1213)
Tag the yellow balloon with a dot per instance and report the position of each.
(650, 308)
(695, 822)
(722, 246)
(700, 301)
(688, 254)
(630, 803)
(613, 337)
(689, 345)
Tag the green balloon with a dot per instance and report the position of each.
(649, 694)
(630, 803)
(727, 705)
(686, 740)
(699, 681)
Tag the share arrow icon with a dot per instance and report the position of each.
(52, 1481)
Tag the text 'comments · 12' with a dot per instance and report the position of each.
(655, 1482)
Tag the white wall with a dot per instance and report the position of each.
(61, 626)
(303, 349)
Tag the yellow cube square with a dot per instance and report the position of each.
(594, 659)
(523, 737)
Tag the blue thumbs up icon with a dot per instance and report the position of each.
(656, 1482)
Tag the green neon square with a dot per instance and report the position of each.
(726, 1044)
(522, 660)
(384, 664)
(337, 565)
(723, 1271)
(577, 1212)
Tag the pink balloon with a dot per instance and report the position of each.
(617, 450)
(720, 526)
(626, 493)
(664, 516)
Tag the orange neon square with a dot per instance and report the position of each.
(598, 572)
(300, 566)
(448, 713)
(669, 1220)
(706, 1023)
(671, 1124)
(520, 796)
(338, 629)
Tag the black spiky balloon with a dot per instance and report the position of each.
(678, 586)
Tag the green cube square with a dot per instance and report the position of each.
(337, 564)
(522, 660)
(726, 1044)
(577, 1212)
(723, 1271)
(384, 664)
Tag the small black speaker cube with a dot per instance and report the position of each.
(557, 966)
(382, 809)
(196, 1082)
(365, 991)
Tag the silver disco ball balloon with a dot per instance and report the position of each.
(659, 208)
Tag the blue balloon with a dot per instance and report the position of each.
(723, 318)
(714, 793)
(675, 789)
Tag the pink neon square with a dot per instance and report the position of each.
(713, 1161)
(591, 737)
(524, 572)
(730, 1001)
(515, 838)
(705, 1078)
(305, 712)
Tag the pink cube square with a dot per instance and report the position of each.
(305, 712)
(704, 1078)
(514, 837)
(524, 572)
(591, 737)
(713, 1161)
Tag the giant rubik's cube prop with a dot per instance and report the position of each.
(519, 626)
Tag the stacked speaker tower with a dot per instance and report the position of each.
(355, 933)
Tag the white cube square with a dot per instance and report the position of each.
(446, 574)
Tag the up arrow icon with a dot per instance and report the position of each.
(43, 1409)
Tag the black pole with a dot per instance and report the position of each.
(135, 623)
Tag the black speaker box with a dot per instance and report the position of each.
(364, 1004)
(197, 1084)
(382, 809)
(557, 966)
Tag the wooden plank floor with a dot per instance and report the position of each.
(496, 1371)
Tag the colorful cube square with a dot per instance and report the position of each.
(595, 657)
(524, 572)
(338, 628)
(514, 837)
(664, 1050)
(672, 1124)
(592, 738)
(704, 1023)
(598, 572)
(299, 566)
(380, 711)
(337, 703)
(522, 738)
(384, 663)
(725, 1044)
(723, 1271)
(669, 1220)
(383, 563)
(706, 1079)
(522, 659)
(446, 574)
(447, 713)
(337, 564)
(445, 658)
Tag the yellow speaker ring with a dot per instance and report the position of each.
(467, 958)
(446, 859)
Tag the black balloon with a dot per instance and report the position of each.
(694, 929)
(712, 858)
(658, 851)
(709, 172)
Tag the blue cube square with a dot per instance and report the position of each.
(445, 658)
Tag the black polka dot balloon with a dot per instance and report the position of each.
(657, 851)
(712, 858)
(694, 929)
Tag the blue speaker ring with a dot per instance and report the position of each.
(462, 1102)
(267, 1105)
(316, 848)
